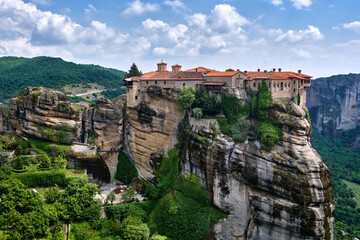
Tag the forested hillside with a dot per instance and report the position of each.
(17, 73)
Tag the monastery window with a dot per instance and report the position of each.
(294, 82)
(164, 82)
(147, 82)
(282, 86)
(269, 85)
(254, 85)
(155, 82)
(183, 84)
(274, 85)
(136, 97)
(278, 85)
(294, 90)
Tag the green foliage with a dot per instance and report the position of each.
(269, 134)
(18, 163)
(208, 104)
(158, 237)
(186, 98)
(197, 113)
(344, 164)
(233, 110)
(133, 72)
(83, 231)
(49, 148)
(298, 98)
(133, 228)
(111, 197)
(307, 115)
(167, 175)
(111, 94)
(137, 209)
(60, 162)
(44, 160)
(190, 186)
(19, 150)
(261, 103)
(22, 212)
(43, 178)
(125, 171)
(239, 131)
(78, 200)
(52, 194)
(11, 140)
(18, 73)
(92, 140)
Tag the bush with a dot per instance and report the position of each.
(208, 104)
(239, 131)
(125, 171)
(270, 134)
(18, 163)
(60, 162)
(262, 102)
(52, 194)
(43, 178)
(19, 150)
(197, 113)
(134, 229)
(186, 98)
(120, 212)
(233, 110)
(191, 187)
(44, 161)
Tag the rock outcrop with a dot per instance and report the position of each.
(5, 123)
(282, 194)
(47, 114)
(151, 128)
(334, 105)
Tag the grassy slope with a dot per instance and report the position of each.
(17, 73)
(356, 189)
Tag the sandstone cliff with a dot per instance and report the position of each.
(334, 105)
(47, 114)
(282, 194)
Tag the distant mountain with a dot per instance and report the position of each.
(334, 106)
(16, 73)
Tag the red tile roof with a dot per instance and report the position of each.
(275, 75)
(168, 75)
(213, 83)
(200, 69)
(221, 74)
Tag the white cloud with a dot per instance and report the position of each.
(90, 10)
(41, 2)
(353, 26)
(299, 4)
(177, 6)
(276, 2)
(310, 34)
(137, 8)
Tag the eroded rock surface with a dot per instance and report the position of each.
(282, 194)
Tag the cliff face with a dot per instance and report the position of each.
(282, 194)
(151, 128)
(334, 104)
(48, 114)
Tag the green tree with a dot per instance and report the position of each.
(78, 200)
(197, 113)
(111, 197)
(126, 170)
(4, 158)
(19, 150)
(208, 104)
(186, 98)
(263, 103)
(134, 71)
(18, 163)
(60, 162)
(134, 229)
(158, 237)
(44, 160)
(298, 98)
(269, 134)
(233, 110)
(53, 194)
(92, 140)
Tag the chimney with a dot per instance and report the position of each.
(265, 71)
(274, 69)
(162, 67)
(279, 69)
(245, 71)
(176, 68)
(229, 70)
(299, 71)
(258, 69)
(238, 70)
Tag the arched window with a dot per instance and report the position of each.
(274, 85)
(183, 84)
(147, 82)
(155, 82)
(164, 82)
(254, 85)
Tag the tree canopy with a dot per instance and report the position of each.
(134, 71)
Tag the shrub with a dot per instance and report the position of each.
(239, 131)
(19, 150)
(52, 194)
(186, 98)
(233, 110)
(298, 98)
(208, 104)
(122, 211)
(44, 161)
(4, 158)
(125, 171)
(18, 163)
(60, 162)
(111, 197)
(197, 113)
(134, 229)
(263, 102)
(270, 134)
(43, 178)
(307, 115)
(191, 187)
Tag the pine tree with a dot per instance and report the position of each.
(134, 71)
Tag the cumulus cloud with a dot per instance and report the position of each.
(41, 2)
(299, 4)
(353, 26)
(137, 8)
(90, 10)
(301, 53)
(310, 34)
(177, 6)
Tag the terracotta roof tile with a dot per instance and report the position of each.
(213, 83)
(275, 75)
(221, 74)
(200, 69)
(167, 75)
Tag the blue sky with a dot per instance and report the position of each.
(321, 37)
